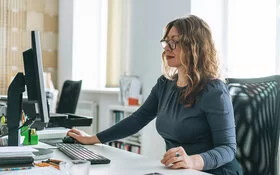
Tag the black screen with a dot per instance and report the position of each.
(34, 78)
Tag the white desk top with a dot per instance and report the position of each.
(124, 162)
(49, 133)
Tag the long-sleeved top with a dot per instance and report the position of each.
(207, 128)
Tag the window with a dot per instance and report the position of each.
(118, 47)
(100, 42)
(251, 38)
(90, 42)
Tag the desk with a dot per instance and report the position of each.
(123, 162)
(50, 133)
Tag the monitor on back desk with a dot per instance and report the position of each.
(33, 67)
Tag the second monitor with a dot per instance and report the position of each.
(34, 81)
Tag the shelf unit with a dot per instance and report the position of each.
(132, 143)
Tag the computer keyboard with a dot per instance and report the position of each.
(79, 152)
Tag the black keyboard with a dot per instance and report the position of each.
(78, 152)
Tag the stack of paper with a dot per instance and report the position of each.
(16, 151)
(13, 155)
(16, 158)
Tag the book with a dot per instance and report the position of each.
(13, 155)
(16, 160)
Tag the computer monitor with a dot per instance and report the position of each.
(34, 80)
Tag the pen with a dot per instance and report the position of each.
(15, 168)
(54, 161)
(54, 165)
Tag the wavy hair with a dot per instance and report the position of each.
(201, 66)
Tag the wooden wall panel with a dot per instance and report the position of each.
(17, 19)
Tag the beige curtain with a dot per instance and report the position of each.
(17, 19)
(117, 41)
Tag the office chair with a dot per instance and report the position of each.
(69, 97)
(256, 105)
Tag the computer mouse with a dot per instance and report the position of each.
(68, 139)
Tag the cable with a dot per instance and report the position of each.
(28, 123)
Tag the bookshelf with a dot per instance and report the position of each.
(132, 143)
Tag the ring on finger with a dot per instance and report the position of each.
(177, 154)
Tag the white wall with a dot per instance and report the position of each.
(148, 19)
(65, 43)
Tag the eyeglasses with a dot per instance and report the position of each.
(170, 43)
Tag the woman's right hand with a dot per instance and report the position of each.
(83, 137)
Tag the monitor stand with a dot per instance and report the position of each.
(15, 90)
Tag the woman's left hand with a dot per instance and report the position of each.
(177, 158)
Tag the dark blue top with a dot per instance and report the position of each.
(207, 128)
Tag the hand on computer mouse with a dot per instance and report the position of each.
(82, 137)
(68, 139)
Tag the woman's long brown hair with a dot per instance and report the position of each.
(202, 64)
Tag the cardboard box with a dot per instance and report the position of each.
(49, 58)
(51, 7)
(18, 39)
(50, 23)
(35, 21)
(16, 20)
(35, 5)
(16, 5)
(49, 41)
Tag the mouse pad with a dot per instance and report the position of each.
(51, 142)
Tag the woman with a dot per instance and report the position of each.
(192, 105)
